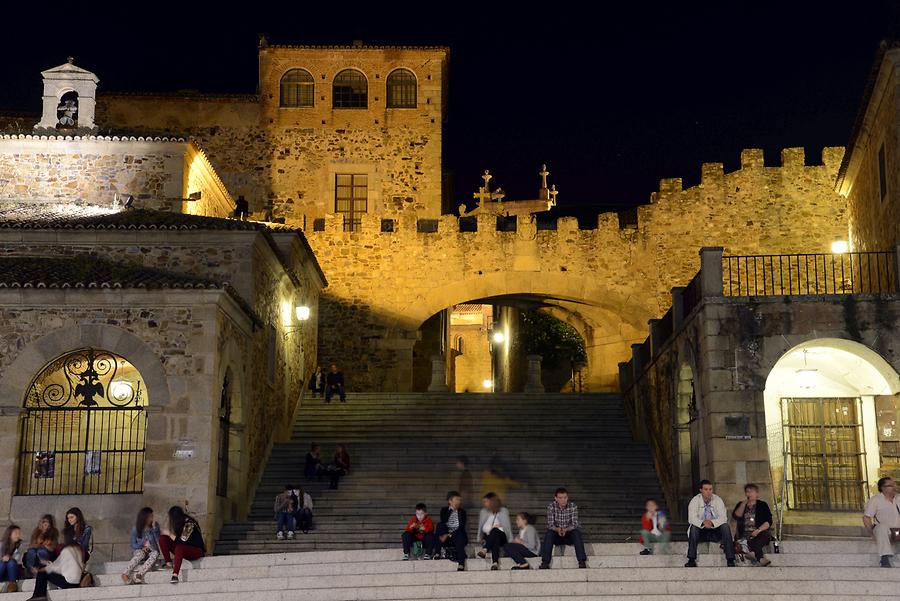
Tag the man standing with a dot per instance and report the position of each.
(562, 529)
(451, 531)
(884, 508)
(708, 522)
(334, 383)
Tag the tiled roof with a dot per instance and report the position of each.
(355, 47)
(86, 271)
(41, 217)
(184, 94)
(85, 134)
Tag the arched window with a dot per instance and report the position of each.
(401, 89)
(84, 428)
(350, 90)
(298, 89)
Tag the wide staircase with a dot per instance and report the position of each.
(403, 449)
(804, 571)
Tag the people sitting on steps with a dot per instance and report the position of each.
(494, 528)
(563, 528)
(11, 551)
(526, 544)
(145, 537)
(708, 522)
(79, 531)
(340, 466)
(182, 539)
(655, 528)
(284, 513)
(38, 551)
(451, 530)
(419, 529)
(67, 571)
(313, 468)
(882, 519)
(753, 519)
(317, 382)
(303, 509)
(334, 384)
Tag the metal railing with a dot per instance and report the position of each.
(809, 274)
(85, 451)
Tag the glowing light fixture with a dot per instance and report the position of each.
(840, 246)
(488, 384)
(498, 337)
(302, 312)
(121, 390)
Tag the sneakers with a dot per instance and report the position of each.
(692, 563)
(406, 557)
(279, 535)
(646, 552)
(495, 566)
(582, 565)
(460, 568)
(764, 561)
(174, 579)
(886, 561)
(730, 563)
(290, 535)
(426, 557)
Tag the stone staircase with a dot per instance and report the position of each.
(804, 571)
(403, 449)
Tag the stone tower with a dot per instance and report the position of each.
(69, 98)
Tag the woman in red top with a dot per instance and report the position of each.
(419, 528)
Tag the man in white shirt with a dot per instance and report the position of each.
(708, 522)
(881, 515)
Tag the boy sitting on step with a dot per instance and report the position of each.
(420, 529)
(284, 513)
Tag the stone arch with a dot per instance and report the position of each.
(231, 373)
(18, 375)
(809, 384)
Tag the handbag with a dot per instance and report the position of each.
(87, 580)
(895, 535)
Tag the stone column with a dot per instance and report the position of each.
(533, 382)
(711, 271)
(655, 342)
(438, 375)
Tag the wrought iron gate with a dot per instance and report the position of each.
(824, 453)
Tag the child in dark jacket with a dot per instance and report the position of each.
(419, 528)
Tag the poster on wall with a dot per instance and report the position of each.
(91, 462)
(44, 464)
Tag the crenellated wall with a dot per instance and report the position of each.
(384, 284)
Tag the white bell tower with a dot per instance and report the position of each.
(70, 98)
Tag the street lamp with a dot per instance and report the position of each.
(498, 337)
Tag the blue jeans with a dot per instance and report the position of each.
(285, 521)
(35, 555)
(9, 571)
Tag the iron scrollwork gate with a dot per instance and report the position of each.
(84, 427)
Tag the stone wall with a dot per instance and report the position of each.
(202, 181)
(284, 160)
(384, 285)
(873, 219)
(91, 171)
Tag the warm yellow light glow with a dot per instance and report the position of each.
(488, 383)
(287, 313)
(302, 313)
(499, 337)
(807, 378)
(840, 246)
(120, 390)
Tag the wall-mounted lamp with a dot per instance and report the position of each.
(840, 247)
(498, 337)
(302, 312)
(488, 384)
(807, 378)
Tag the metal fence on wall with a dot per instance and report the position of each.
(809, 274)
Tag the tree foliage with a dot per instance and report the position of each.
(554, 340)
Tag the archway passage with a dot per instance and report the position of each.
(84, 427)
(828, 443)
(502, 344)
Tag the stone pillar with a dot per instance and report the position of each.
(655, 342)
(636, 361)
(533, 381)
(438, 375)
(897, 267)
(677, 307)
(711, 271)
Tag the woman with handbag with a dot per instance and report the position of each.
(145, 544)
(183, 539)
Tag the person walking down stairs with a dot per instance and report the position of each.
(526, 544)
(451, 530)
(563, 528)
(494, 528)
(419, 529)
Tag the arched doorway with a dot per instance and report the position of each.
(230, 440)
(84, 427)
(822, 428)
(687, 435)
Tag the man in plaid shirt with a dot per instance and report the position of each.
(562, 529)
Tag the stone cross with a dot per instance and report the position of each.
(484, 192)
(553, 193)
(543, 173)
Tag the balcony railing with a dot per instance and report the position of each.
(809, 274)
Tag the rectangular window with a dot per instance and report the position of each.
(882, 172)
(351, 199)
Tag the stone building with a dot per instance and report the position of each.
(148, 341)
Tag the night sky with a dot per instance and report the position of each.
(612, 99)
